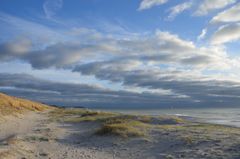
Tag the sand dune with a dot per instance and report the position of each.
(11, 105)
(85, 134)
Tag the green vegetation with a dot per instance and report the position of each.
(115, 123)
(125, 126)
(124, 130)
(127, 129)
(142, 125)
(91, 116)
(78, 115)
(170, 120)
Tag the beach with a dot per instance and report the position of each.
(87, 134)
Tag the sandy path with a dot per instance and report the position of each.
(34, 136)
(18, 125)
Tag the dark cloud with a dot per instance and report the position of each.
(200, 89)
(197, 60)
(186, 93)
(15, 49)
(67, 94)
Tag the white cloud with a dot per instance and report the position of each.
(174, 11)
(203, 34)
(229, 15)
(226, 33)
(172, 41)
(50, 7)
(147, 4)
(210, 5)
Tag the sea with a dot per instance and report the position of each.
(224, 116)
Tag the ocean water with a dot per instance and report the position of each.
(225, 116)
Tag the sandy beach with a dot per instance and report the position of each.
(67, 133)
(120, 79)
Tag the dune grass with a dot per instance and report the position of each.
(133, 125)
(123, 127)
(170, 120)
(114, 123)
(78, 115)
(126, 126)
(111, 123)
(91, 116)
(187, 133)
(11, 105)
(61, 113)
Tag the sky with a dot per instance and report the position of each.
(121, 53)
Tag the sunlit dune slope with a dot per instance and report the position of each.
(12, 105)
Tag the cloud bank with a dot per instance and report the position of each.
(228, 15)
(153, 69)
(67, 94)
(158, 70)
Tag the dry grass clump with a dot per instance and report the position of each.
(135, 126)
(125, 126)
(127, 118)
(169, 120)
(60, 113)
(124, 129)
(12, 105)
(92, 116)
(188, 139)
(67, 112)
(78, 115)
